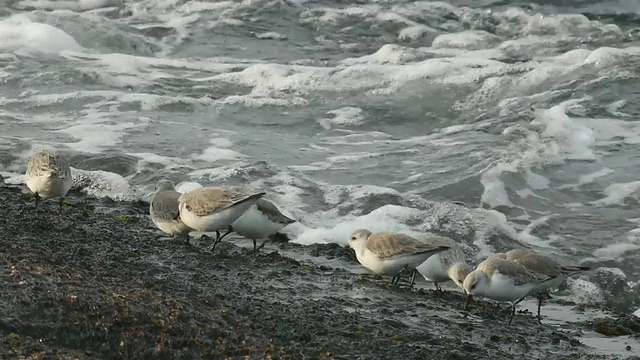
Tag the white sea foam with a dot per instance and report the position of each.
(18, 33)
(215, 175)
(343, 117)
(350, 194)
(571, 140)
(495, 192)
(385, 218)
(98, 132)
(103, 183)
(278, 84)
(218, 151)
(617, 193)
(499, 221)
(589, 178)
(613, 131)
(271, 35)
(415, 32)
(614, 108)
(551, 138)
(389, 54)
(75, 5)
(614, 251)
(187, 186)
(168, 162)
(471, 39)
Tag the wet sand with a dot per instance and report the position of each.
(94, 281)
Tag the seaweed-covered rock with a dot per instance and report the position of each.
(628, 325)
(95, 281)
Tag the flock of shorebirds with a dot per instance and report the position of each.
(503, 277)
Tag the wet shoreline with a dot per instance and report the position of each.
(93, 281)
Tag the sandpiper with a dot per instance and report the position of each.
(48, 176)
(214, 209)
(260, 221)
(447, 265)
(501, 280)
(391, 254)
(542, 265)
(164, 210)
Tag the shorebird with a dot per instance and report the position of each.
(501, 280)
(447, 265)
(48, 176)
(391, 254)
(164, 210)
(542, 265)
(260, 221)
(214, 209)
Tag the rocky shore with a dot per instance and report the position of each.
(93, 281)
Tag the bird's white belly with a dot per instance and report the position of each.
(502, 288)
(173, 227)
(391, 266)
(216, 221)
(253, 224)
(433, 270)
(48, 187)
(551, 284)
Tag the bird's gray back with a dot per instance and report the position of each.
(455, 253)
(164, 205)
(520, 274)
(534, 262)
(272, 212)
(44, 162)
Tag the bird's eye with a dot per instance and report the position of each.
(353, 238)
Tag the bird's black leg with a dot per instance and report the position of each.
(512, 312)
(467, 302)
(519, 301)
(219, 238)
(37, 199)
(215, 242)
(262, 245)
(413, 278)
(186, 239)
(396, 279)
(437, 286)
(540, 299)
(229, 231)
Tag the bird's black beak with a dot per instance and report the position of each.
(466, 303)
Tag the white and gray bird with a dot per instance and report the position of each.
(391, 254)
(48, 176)
(542, 265)
(260, 221)
(214, 209)
(502, 280)
(450, 265)
(164, 210)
